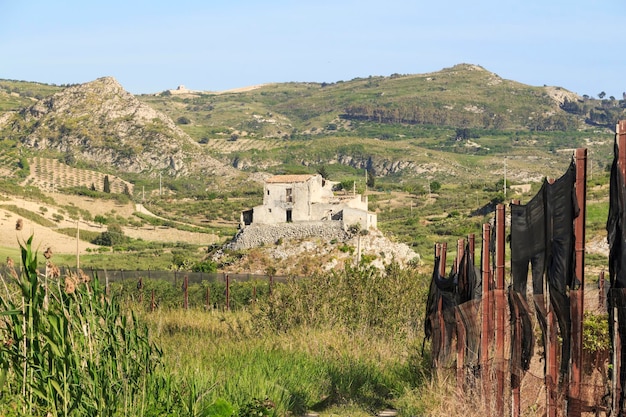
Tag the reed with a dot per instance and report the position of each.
(68, 349)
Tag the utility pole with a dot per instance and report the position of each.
(77, 246)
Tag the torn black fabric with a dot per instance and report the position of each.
(522, 338)
(616, 236)
(466, 278)
(528, 248)
(561, 210)
(528, 243)
(616, 227)
(542, 235)
(470, 316)
(440, 322)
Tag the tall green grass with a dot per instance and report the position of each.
(68, 350)
(348, 340)
(341, 341)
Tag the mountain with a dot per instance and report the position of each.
(102, 125)
(407, 126)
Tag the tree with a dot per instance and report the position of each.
(106, 186)
(113, 236)
(182, 120)
(601, 95)
(435, 186)
(371, 179)
(323, 172)
(100, 219)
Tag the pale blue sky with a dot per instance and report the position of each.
(214, 45)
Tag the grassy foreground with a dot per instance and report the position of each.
(344, 343)
(338, 344)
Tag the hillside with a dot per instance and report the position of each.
(196, 158)
(102, 125)
(388, 125)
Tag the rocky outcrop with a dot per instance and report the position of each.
(265, 234)
(102, 124)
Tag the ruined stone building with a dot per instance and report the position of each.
(308, 198)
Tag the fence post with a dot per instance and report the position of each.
(486, 317)
(186, 292)
(208, 297)
(140, 288)
(227, 293)
(442, 264)
(516, 379)
(460, 328)
(152, 303)
(577, 294)
(500, 308)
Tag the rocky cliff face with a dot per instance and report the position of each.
(100, 123)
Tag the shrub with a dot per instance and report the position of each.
(112, 237)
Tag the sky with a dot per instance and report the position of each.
(217, 45)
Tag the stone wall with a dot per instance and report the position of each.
(268, 234)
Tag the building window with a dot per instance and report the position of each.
(289, 195)
(268, 192)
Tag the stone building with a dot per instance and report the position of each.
(308, 198)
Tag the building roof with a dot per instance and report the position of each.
(281, 179)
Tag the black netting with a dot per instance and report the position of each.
(522, 339)
(616, 225)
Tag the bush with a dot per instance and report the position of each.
(112, 237)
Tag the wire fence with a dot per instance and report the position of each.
(152, 289)
(497, 380)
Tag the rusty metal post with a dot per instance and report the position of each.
(227, 293)
(500, 308)
(442, 263)
(254, 294)
(460, 329)
(551, 356)
(616, 387)
(471, 239)
(516, 380)
(486, 326)
(577, 294)
(460, 247)
(186, 292)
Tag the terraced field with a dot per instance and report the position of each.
(50, 174)
(8, 163)
(227, 146)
